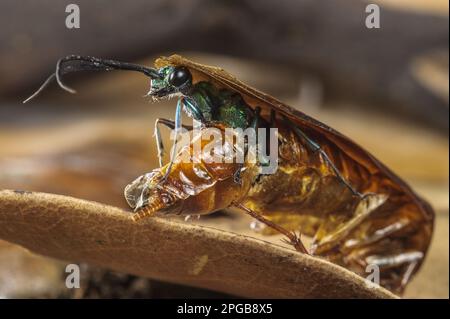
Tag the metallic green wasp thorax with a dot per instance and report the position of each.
(221, 105)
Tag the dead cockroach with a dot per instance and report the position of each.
(356, 210)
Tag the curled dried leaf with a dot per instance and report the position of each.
(77, 230)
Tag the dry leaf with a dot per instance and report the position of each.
(76, 230)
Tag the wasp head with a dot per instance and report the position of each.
(171, 80)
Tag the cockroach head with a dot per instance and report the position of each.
(148, 191)
(139, 192)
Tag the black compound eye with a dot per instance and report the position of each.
(180, 76)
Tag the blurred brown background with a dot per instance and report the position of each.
(386, 88)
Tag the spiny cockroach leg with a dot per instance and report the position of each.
(296, 241)
(293, 239)
(362, 211)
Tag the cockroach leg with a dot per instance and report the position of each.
(365, 207)
(293, 239)
(159, 143)
(407, 275)
(410, 259)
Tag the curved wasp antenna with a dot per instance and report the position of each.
(75, 63)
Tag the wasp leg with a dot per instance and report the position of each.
(192, 108)
(159, 143)
(178, 126)
(315, 147)
(293, 239)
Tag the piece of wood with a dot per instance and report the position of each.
(76, 230)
